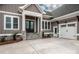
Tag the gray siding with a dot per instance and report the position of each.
(2, 31)
(65, 9)
(68, 20)
(33, 8)
(55, 24)
(10, 7)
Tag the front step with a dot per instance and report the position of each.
(32, 36)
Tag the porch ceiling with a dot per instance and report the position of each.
(30, 17)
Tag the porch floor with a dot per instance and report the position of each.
(42, 46)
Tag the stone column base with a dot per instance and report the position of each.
(24, 35)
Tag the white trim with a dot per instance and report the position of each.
(11, 22)
(41, 22)
(35, 25)
(30, 13)
(23, 22)
(27, 5)
(38, 24)
(47, 24)
(75, 22)
(9, 34)
(40, 8)
(74, 14)
(10, 13)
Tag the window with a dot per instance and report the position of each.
(63, 25)
(49, 25)
(71, 25)
(32, 25)
(8, 22)
(42, 24)
(11, 22)
(55, 30)
(27, 24)
(15, 23)
(46, 25)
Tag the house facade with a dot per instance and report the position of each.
(30, 21)
(24, 19)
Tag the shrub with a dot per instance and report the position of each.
(14, 35)
(3, 38)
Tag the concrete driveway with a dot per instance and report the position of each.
(42, 46)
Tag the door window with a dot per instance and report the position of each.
(30, 26)
(63, 25)
(71, 25)
(55, 30)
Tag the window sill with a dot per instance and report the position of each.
(11, 29)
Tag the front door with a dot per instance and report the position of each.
(29, 26)
(55, 30)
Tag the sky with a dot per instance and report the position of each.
(50, 7)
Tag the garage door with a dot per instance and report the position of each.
(62, 31)
(68, 30)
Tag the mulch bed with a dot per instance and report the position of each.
(9, 42)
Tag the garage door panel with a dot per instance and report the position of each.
(72, 31)
(69, 31)
(62, 29)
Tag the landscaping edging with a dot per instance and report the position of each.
(9, 42)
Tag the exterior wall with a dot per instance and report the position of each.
(14, 8)
(49, 30)
(10, 7)
(55, 24)
(68, 20)
(65, 21)
(2, 31)
(32, 8)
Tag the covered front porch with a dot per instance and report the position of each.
(32, 25)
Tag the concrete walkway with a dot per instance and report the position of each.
(42, 46)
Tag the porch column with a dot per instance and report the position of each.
(41, 23)
(23, 26)
(23, 21)
(38, 25)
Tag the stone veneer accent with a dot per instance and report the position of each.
(33, 35)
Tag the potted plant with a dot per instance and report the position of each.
(17, 37)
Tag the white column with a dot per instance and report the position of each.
(23, 26)
(41, 22)
(23, 21)
(38, 24)
(35, 25)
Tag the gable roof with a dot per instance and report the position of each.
(27, 5)
(65, 9)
